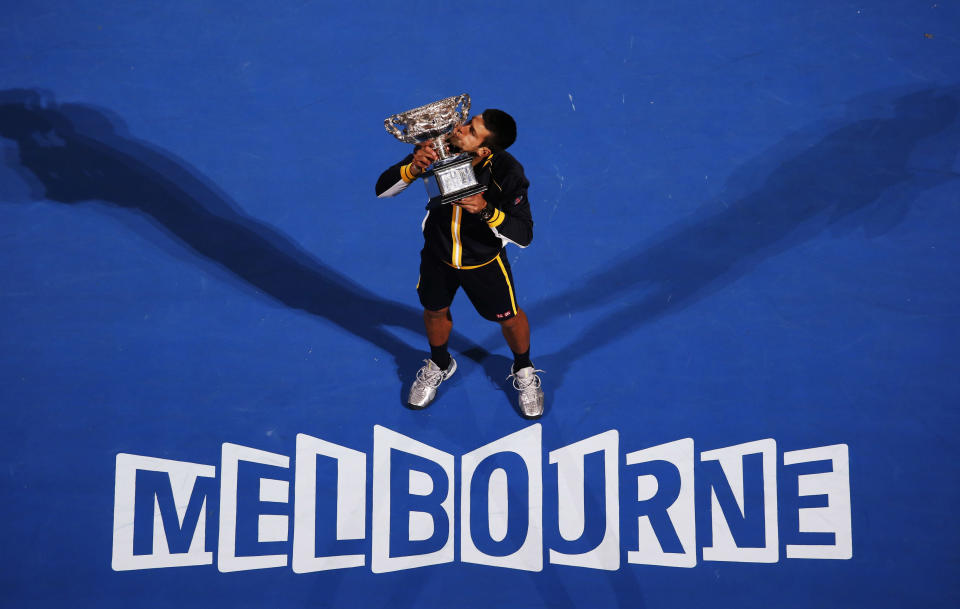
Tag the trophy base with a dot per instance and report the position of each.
(451, 179)
(439, 200)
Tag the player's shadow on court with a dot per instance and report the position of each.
(72, 153)
(862, 174)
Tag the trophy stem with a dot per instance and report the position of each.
(440, 145)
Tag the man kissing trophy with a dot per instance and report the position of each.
(477, 204)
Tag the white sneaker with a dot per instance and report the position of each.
(429, 377)
(527, 383)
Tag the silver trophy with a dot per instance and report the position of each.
(451, 177)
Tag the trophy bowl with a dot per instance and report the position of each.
(451, 177)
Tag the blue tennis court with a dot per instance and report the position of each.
(743, 290)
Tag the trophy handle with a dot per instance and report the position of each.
(392, 129)
(464, 110)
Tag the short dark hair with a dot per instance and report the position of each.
(502, 128)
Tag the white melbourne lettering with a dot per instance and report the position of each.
(161, 519)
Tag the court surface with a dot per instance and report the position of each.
(745, 247)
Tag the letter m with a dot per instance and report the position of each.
(160, 513)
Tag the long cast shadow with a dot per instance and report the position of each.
(73, 153)
(836, 178)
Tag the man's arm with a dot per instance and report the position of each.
(395, 179)
(512, 220)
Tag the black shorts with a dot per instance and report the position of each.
(489, 287)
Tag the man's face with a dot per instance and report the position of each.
(469, 137)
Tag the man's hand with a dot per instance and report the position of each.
(473, 204)
(423, 156)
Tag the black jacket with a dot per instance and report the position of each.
(462, 239)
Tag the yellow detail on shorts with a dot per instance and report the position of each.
(513, 300)
(476, 266)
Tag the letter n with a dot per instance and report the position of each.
(743, 502)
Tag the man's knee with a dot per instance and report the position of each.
(443, 313)
(515, 321)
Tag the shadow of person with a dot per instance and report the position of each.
(825, 177)
(73, 153)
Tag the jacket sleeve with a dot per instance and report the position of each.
(511, 218)
(395, 179)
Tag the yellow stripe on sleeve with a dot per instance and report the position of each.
(497, 218)
(406, 174)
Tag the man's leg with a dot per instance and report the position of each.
(490, 289)
(439, 324)
(436, 288)
(440, 366)
(516, 331)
